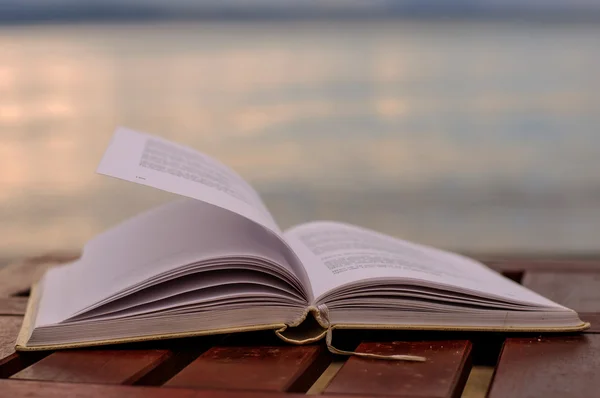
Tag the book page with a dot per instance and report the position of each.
(181, 235)
(158, 163)
(194, 284)
(336, 254)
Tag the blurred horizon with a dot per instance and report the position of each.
(468, 133)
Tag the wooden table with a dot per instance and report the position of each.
(257, 364)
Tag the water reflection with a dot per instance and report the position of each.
(468, 136)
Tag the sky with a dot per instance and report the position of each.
(16, 11)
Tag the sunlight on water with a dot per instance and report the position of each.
(463, 135)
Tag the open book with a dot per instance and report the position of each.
(217, 262)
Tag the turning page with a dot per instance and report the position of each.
(152, 161)
(158, 163)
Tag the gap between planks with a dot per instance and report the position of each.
(478, 382)
(323, 381)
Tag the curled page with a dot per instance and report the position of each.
(158, 163)
(336, 254)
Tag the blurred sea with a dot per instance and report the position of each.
(461, 134)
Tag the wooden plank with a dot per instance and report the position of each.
(9, 328)
(513, 265)
(535, 257)
(551, 366)
(579, 291)
(11, 361)
(18, 277)
(13, 306)
(275, 368)
(443, 374)
(114, 366)
(39, 389)
(593, 319)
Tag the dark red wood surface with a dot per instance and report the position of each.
(578, 291)
(13, 305)
(549, 367)
(95, 366)
(276, 368)
(442, 375)
(9, 328)
(11, 361)
(36, 389)
(529, 366)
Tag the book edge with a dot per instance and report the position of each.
(550, 329)
(316, 335)
(157, 337)
(30, 316)
(33, 305)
